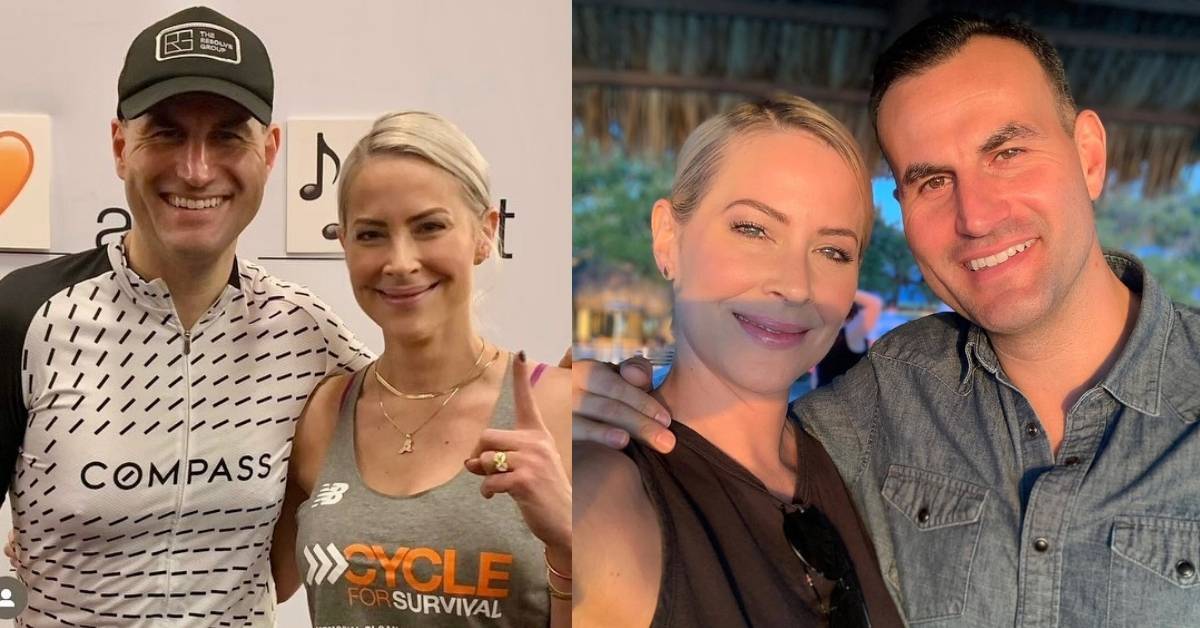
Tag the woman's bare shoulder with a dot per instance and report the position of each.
(617, 541)
(552, 394)
(314, 429)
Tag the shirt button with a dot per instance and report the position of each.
(1032, 430)
(1041, 544)
(1071, 461)
(923, 515)
(1185, 569)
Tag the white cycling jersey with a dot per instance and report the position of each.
(146, 464)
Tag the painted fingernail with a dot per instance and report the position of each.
(617, 438)
(663, 417)
(521, 355)
(665, 441)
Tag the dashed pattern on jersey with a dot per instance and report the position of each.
(153, 463)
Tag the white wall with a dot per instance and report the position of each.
(500, 70)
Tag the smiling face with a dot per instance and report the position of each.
(996, 194)
(411, 242)
(194, 168)
(765, 268)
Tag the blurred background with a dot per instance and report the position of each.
(646, 72)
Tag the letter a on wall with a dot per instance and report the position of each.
(25, 152)
(316, 149)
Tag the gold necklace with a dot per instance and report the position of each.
(432, 395)
(407, 447)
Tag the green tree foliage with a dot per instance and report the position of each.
(612, 194)
(889, 270)
(1164, 232)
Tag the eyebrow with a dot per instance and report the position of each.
(920, 170)
(376, 222)
(1005, 134)
(762, 207)
(838, 231)
(427, 213)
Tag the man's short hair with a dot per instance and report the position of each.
(936, 39)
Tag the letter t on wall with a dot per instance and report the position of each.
(504, 216)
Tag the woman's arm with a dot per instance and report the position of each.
(283, 544)
(536, 472)
(313, 433)
(617, 542)
(552, 394)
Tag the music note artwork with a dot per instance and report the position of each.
(312, 191)
(315, 149)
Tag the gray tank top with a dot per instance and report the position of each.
(443, 557)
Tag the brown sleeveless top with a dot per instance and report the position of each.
(726, 560)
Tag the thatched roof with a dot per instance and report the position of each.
(606, 289)
(647, 71)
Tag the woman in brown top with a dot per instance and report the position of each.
(746, 522)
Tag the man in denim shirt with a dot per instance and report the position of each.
(1027, 460)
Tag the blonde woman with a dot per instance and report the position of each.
(746, 522)
(391, 512)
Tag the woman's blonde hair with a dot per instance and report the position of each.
(430, 137)
(700, 156)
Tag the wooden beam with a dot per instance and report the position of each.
(1066, 38)
(877, 19)
(648, 80)
(1143, 116)
(674, 82)
(813, 13)
(1176, 7)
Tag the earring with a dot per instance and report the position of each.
(665, 275)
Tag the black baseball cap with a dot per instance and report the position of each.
(196, 50)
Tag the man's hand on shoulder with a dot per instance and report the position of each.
(609, 405)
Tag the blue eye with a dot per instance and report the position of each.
(750, 229)
(836, 254)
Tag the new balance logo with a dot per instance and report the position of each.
(324, 564)
(330, 494)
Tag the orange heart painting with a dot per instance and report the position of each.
(16, 164)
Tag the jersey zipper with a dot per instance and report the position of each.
(183, 460)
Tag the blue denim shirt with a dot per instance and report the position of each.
(977, 522)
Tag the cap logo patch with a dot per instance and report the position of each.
(198, 39)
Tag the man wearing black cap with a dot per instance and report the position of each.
(148, 389)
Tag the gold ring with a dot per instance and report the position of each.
(500, 461)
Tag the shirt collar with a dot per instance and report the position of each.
(1136, 378)
(154, 293)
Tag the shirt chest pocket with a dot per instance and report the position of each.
(935, 522)
(1154, 579)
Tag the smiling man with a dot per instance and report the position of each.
(1026, 460)
(148, 389)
